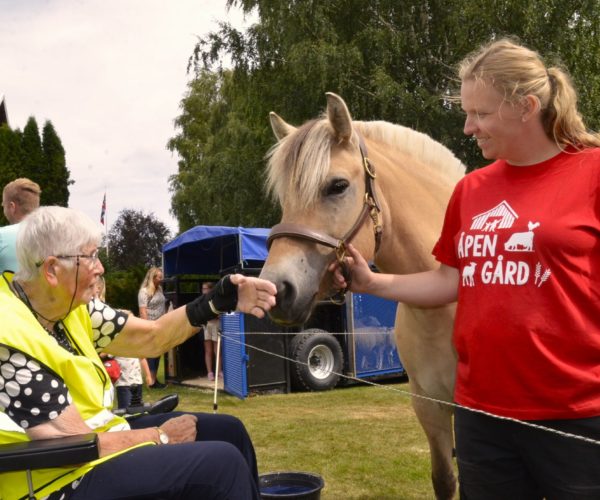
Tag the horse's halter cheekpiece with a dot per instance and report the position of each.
(371, 208)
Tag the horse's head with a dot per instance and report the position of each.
(320, 177)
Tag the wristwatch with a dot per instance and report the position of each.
(162, 436)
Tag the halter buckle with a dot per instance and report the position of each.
(367, 165)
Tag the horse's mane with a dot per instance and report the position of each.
(415, 144)
(299, 163)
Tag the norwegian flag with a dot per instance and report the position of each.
(103, 211)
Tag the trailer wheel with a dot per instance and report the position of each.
(320, 359)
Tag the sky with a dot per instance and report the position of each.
(110, 76)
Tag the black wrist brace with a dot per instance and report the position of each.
(221, 299)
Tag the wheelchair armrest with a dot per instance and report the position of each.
(46, 453)
(163, 405)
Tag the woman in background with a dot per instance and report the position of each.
(211, 340)
(152, 305)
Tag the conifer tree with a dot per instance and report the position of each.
(32, 161)
(57, 176)
(10, 159)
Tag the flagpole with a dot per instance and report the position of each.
(106, 224)
(104, 221)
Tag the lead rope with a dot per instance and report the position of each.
(426, 398)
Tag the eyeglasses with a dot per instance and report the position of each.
(93, 257)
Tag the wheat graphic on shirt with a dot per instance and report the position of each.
(539, 277)
(544, 277)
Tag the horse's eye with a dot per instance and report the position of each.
(336, 187)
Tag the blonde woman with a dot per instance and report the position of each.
(152, 305)
(520, 252)
(211, 340)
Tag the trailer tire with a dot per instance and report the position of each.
(319, 360)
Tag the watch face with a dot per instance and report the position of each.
(164, 439)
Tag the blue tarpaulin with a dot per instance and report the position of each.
(212, 249)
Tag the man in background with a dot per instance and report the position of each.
(19, 198)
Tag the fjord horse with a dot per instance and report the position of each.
(385, 188)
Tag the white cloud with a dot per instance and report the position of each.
(110, 75)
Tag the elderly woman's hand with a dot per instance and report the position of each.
(255, 295)
(181, 429)
(234, 292)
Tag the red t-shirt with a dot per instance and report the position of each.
(526, 241)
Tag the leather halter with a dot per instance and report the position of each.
(370, 208)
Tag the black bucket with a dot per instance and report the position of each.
(290, 485)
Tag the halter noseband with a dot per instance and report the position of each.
(370, 208)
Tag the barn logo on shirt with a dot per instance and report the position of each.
(492, 239)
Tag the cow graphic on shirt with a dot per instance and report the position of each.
(522, 242)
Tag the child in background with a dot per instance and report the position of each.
(130, 384)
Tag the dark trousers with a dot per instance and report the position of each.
(499, 460)
(153, 364)
(129, 395)
(220, 465)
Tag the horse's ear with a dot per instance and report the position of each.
(339, 116)
(279, 126)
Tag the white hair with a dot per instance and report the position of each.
(53, 231)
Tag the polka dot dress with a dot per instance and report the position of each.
(106, 323)
(30, 393)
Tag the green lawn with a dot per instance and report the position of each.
(364, 441)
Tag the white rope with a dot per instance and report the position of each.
(217, 369)
(408, 393)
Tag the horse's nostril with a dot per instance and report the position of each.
(286, 293)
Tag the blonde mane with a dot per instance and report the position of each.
(299, 163)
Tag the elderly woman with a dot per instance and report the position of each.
(53, 384)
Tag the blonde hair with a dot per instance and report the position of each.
(24, 193)
(516, 71)
(148, 283)
(101, 288)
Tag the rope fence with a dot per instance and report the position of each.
(231, 337)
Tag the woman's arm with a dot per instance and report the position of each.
(426, 289)
(69, 423)
(143, 303)
(146, 370)
(147, 339)
(179, 430)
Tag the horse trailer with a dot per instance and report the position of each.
(339, 342)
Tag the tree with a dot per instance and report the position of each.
(32, 161)
(122, 288)
(389, 59)
(136, 239)
(25, 154)
(55, 176)
(219, 180)
(10, 159)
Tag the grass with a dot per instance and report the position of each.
(364, 441)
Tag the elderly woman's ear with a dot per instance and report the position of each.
(49, 270)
